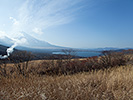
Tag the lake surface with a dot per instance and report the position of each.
(82, 54)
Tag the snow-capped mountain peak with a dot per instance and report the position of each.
(25, 40)
(33, 42)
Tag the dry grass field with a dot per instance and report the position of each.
(111, 84)
(108, 77)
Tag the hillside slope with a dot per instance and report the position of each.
(3, 49)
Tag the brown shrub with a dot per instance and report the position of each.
(110, 84)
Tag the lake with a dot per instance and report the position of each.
(82, 54)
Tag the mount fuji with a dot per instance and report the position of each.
(26, 41)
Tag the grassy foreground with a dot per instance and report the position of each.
(111, 84)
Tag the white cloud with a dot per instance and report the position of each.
(37, 30)
(2, 33)
(44, 14)
(15, 22)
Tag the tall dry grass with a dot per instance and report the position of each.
(111, 84)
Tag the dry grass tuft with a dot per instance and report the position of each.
(110, 84)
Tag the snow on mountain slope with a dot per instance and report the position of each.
(33, 42)
(25, 40)
(4, 40)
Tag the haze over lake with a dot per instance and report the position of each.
(82, 54)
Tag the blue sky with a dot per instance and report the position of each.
(70, 23)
